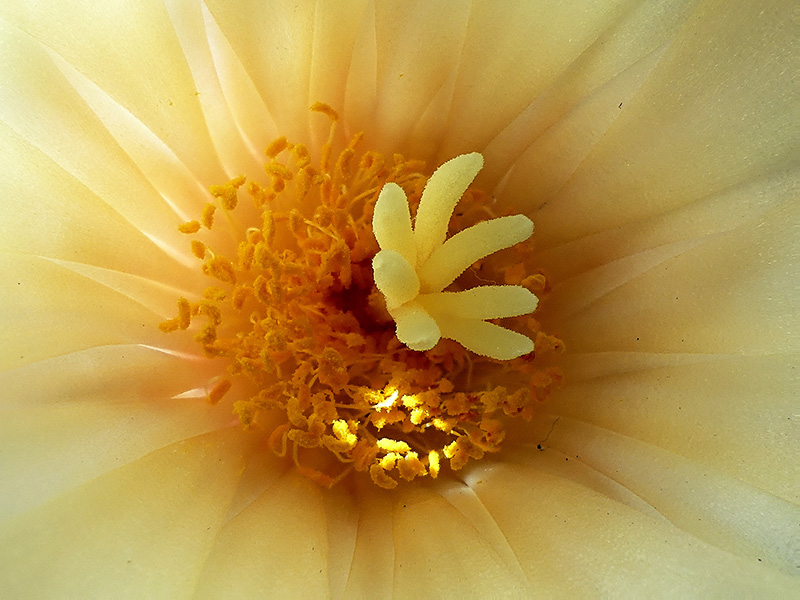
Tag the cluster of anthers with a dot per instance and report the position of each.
(342, 341)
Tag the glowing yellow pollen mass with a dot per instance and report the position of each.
(297, 311)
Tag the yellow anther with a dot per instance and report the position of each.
(277, 146)
(433, 463)
(228, 194)
(302, 156)
(214, 293)
(278, 170)
(208, 215)
(207, 335)
(379, 476)
(190, 227)
(220, 268)
(308, 439)
(240, 295)
(323, 108)
(418, 416)
(199, 249)
(247, 411)
(211, 311)
(245, 253)
(389, 445)
(410, 466)
(184, 313)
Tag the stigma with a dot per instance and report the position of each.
(415, 264)
(350, 340)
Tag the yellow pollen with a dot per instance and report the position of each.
(190, 227)
(208, 215)
(340, 319)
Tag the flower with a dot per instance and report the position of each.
(652, 146)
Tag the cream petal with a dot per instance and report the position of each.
(373, 559)
(55, 311)
(690, 132)
(295, 53)
(440, 546)
(57, 432)
(402, 56)
(615, 48)
(104, 373)
(255, 123)
(721, 510)
(524, 66)
(735, 414)
(51, 213)
(332, 517)
(191, 20)
(130, 532)
(49, 118)
(577, 534)
(276, 547)
(126, 41)
(551, 159)
(164, 171)
(729, 294)
(698, 219)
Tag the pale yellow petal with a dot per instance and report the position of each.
(130, 532)
(616, 46)
(127, 40)
(275, 547)
(402, 58)
(70, 419)
(440, 545)
(51, 213)
(718, 509)
(578, 533)
(56, 311)
(718, 109)
(373, 559)
(727, 293)
(56, 131)
(523, 67)
(735, 414)
(192, 24)
(295, 53)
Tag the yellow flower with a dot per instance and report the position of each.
(652, 144)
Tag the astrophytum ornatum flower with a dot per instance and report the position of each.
(654, 146)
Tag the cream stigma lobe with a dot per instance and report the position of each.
(416, 263)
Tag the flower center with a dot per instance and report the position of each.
(312, 344)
